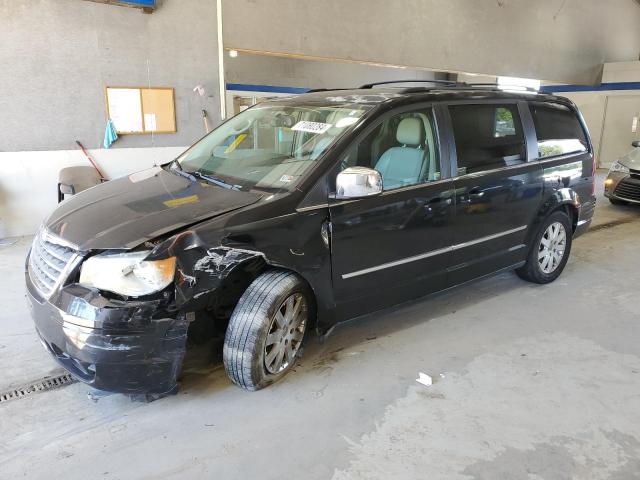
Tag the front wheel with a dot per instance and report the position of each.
(266, 330)
(549, 251)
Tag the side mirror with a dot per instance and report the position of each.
(636, 144)
(358, 182)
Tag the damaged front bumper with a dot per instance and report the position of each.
(123, 347)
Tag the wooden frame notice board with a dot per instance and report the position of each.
(141, 110)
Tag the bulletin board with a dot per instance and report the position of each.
(141, 110)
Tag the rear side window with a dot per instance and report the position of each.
(488, 136)
(558, 130)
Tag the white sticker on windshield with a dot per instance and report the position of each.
(312, 127)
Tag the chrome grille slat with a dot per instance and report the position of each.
(55, 267)
(63, 254)
(43, 256)
(53, 253)
(48, 262)
(38, 283)
(42, 270)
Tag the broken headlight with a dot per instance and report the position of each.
(128, 273)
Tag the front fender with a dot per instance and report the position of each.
(202, 268)
(206, 258)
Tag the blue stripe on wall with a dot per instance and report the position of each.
(139, 3)
(246, 87)
(589, 88)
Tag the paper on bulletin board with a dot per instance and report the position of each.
(125, 109)
(150, 123)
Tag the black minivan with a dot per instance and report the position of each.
(299, 213)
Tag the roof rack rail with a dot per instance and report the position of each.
(502, 87)
(315, 90)
(450, 83)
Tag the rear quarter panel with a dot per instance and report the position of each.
(568, 179)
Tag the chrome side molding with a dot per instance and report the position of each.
(432, 253)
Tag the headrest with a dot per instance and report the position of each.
(410, 131)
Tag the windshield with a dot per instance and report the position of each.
(269, 147)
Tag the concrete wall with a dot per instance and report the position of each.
(291, 72)
(307, 74)
(57, 57)
(29, 180)
(592, 104)
(558, 40)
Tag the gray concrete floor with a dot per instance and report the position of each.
(538, 382)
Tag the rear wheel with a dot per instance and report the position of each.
(616, 201)
(266, 330)
(549, 251)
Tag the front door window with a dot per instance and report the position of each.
(403, 148)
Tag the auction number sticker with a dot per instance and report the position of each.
(312, 127)
(286, 178)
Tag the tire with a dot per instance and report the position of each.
(615, 201)
(256, 338)
(543, 264)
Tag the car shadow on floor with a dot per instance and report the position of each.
(203, 371)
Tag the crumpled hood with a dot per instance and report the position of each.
(123, 213)
(631, 159)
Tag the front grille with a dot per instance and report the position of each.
(48, 260)
(628, 189)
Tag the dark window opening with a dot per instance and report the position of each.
(487, 137)
(403, 148)
(558, 130)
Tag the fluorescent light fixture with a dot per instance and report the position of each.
(515, 83)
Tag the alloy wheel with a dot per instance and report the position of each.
(285, 333)
(552, 247)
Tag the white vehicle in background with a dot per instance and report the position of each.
(622, 185)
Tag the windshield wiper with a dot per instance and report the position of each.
(193, 176)
(215, 180)
(177, 168)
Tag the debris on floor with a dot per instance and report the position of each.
(427, 380)
(424, 379)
